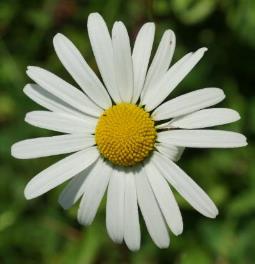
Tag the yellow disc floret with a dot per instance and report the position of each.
(125, 134)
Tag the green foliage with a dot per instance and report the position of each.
(39, 231)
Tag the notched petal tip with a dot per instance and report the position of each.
(58, 35)
(212, 211)
(178, 228)
(63, 205)
(147, 26)
(133, 248)
(118, 25)
(93, 16)
(241, 141)
(13, 150)
(28, 194)
(63, 202)
(16, 151)
(31, 67)
(79, 218)
(162, 246)
(213, 214)
(170, 34)
(57, 38)
(219, 91)
(245, 142)
(26, 87)
(237, 115)
(151, 24)
(204, 49)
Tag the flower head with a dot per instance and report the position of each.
(123, 134)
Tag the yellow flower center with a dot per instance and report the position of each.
(125, 134)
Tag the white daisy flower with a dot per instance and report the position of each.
(124, 135)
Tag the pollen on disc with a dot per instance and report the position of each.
(125, 134)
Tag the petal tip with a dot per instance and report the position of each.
(213, 214)
(28, 194)
(57, 37)
(133, 248)
(178, 230)
(63, 204)
(94, 15)
(30, 67)
(163, 246)
(13, 151)
(242, 141)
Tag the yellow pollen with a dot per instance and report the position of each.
(125, 134)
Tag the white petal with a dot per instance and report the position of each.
(115, 206)
(76, 65)
(190, 191)
(60, 172)
(48, 146)
(61, 122)
(152, 94)
(141, 56)
(203, 138)
(122, 61)
(49, 101)
(63, 90)
(94, 189)
(172, 78)
(172, 152)
(151, 211)
(165, 198)
(132, 235)
(205, 118)
(75, 188)
(188, 103)
(102, 48)
(160, 62)
(178, 64)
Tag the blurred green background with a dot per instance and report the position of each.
(39, 231)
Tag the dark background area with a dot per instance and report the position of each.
(39, 231)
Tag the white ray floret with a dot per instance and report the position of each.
(115, 207)
(123, 61)
(165, 199)
(60, 172)
(48, 146)
(160, 62)
(75, 188)
(188, 103)
(203, 138)
(93, 191)
(150, 210)
(132, 235)
(75, 64)
(61, 122)
(50, 101)
(102, 47)
(65, 91)
(205, 118)
(141, 56)
(185, 186)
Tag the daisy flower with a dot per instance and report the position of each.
(125, 137)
